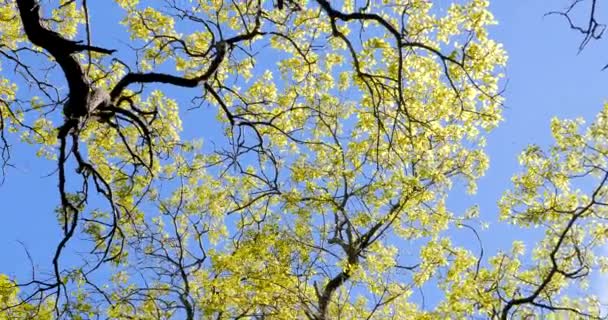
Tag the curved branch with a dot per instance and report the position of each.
(61, 49)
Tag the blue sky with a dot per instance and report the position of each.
(546, 78)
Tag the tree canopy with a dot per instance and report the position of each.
(287, 160)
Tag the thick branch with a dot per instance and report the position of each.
(153, 77)
(333, 13)
(61, 49)
(329, 290)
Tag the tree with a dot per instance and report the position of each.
(343, 129)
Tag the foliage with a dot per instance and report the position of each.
(342, 132)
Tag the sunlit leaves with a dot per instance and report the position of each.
(321, 190)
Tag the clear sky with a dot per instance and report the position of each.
(546, 78)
